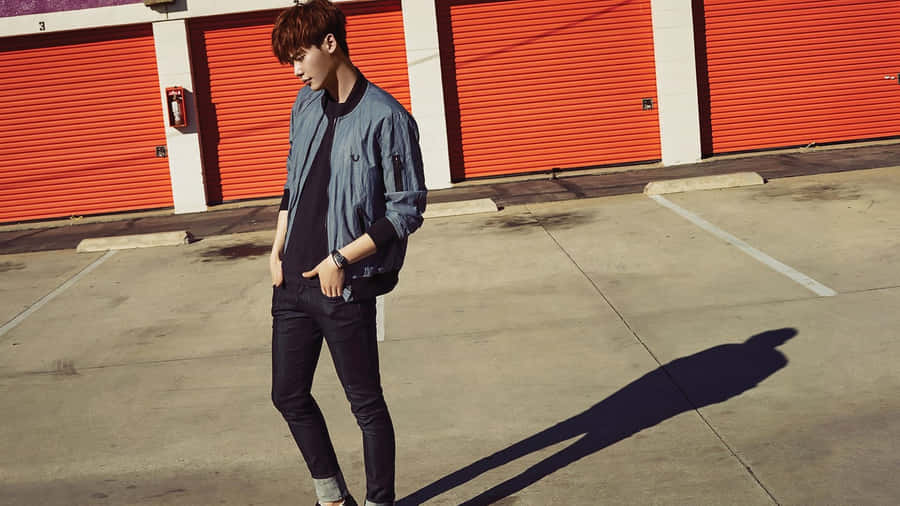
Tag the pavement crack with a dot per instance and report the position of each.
(662, 366)
(596, 288)
(868, 290)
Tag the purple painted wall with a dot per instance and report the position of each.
(21, 7)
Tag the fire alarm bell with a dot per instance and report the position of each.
(176, 109)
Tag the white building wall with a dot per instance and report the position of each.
(78, 20)
(132, 14)
(676, 81)
(173, 62)
(129, 14)
(426, 89)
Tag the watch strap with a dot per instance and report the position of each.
(339, 260)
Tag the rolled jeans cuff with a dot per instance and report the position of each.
(331, 489)
(370, 503)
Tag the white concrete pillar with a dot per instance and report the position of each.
(676, 81)
(173, 63)
(426, 89)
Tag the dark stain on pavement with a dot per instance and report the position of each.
(146, 334)
(565, 221)
(246, 250)
(513, 222)
(821, 192)
(556, 221)
(64, 368)
(11, 266)
(117, 301)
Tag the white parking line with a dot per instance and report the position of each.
(52, 295)
(799, 277)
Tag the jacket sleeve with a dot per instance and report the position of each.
(403, 173)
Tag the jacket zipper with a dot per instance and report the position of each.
(398, 173)
(360, 219)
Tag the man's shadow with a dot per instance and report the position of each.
(708, 377)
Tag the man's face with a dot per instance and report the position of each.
(315, 65)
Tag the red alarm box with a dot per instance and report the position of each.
(175, 106)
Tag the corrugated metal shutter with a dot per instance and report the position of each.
(551, 83)
(789, 72)
(245, 95)
(80, 117)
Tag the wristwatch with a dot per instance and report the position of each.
(339, 260)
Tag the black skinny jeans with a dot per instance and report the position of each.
(301, 317)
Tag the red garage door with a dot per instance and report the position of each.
(245, 95)
(541, 84)
(80, 119)
(797, 72)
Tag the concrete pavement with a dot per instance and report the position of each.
(590, 351)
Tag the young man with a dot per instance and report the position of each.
(354, 192)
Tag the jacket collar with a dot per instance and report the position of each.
(334, 109)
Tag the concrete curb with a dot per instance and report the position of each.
(134, 241)
(460, 208)
(703, 183)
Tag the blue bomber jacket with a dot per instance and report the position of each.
(376, 171)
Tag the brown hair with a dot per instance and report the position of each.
(307, 25)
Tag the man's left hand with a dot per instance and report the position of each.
(331, 279)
